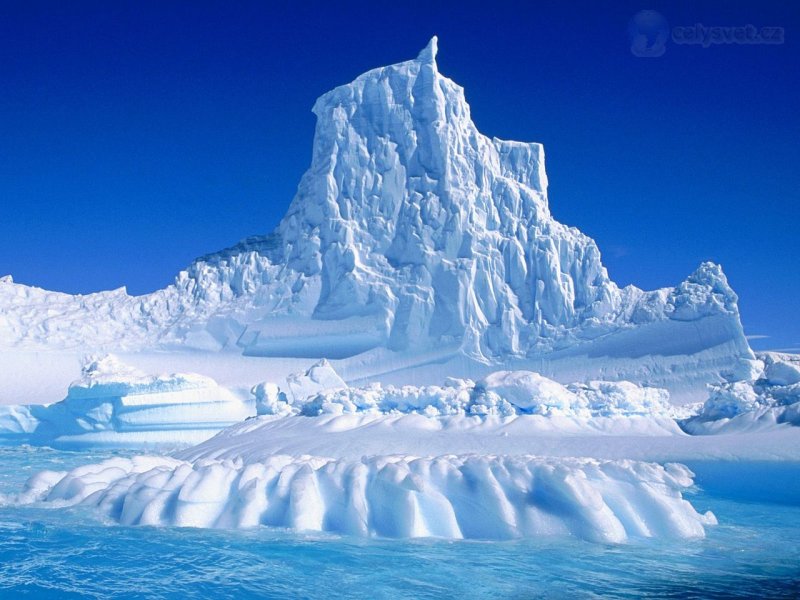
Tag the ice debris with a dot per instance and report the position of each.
(771, 399)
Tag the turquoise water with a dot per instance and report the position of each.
(753, 553)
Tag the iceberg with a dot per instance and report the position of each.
(415, 248)
(114, 403)
(413, 241)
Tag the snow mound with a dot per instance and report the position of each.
(411, 232)
(115, 403)
(482, 497)
(771, 400)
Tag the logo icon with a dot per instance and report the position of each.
(648, 31)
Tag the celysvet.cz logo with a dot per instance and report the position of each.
(649, 34)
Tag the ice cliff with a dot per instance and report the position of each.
(410, 231)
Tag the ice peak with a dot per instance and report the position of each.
(410, 231)
(428, 53)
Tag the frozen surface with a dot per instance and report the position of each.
(412, 238)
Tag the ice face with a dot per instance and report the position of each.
(411, 231)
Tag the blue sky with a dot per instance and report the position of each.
(137, 136)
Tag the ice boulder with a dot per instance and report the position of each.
(781, 369)
(270, 400)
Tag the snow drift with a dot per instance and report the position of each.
(481, 497)
(412, 233)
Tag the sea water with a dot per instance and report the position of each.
(71, 553)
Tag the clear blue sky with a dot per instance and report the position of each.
(137, 136)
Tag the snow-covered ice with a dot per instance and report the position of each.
(423, 461)
(768, 401)
(481, 374)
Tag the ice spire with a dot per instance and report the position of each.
(428, 53)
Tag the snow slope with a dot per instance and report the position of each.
(412, 237)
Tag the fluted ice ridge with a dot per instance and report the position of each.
(483, 497)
